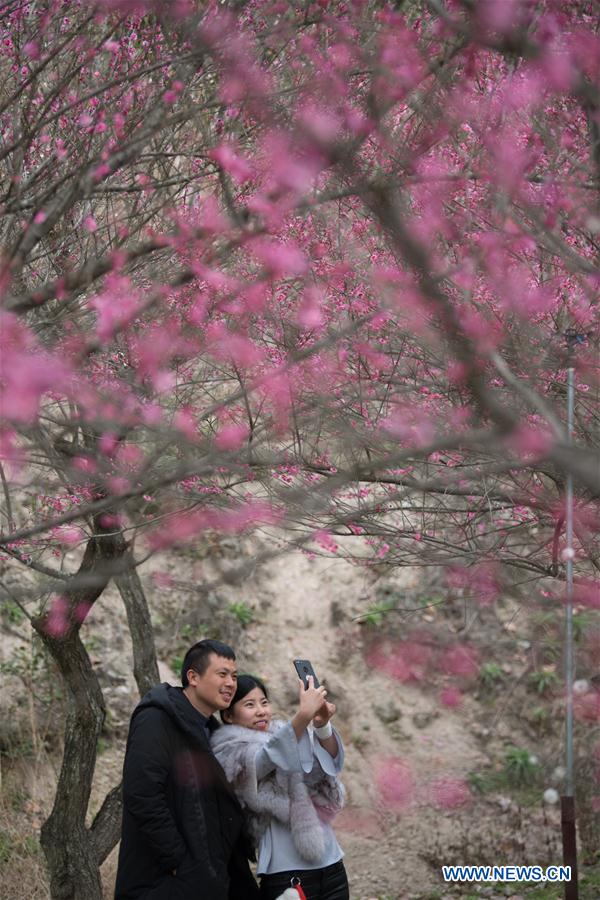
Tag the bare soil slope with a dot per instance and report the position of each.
(407, 753)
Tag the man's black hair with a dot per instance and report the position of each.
(198, 656)
(245, 684)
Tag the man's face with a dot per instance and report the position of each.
(215, 688)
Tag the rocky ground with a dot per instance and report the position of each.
(427, 776)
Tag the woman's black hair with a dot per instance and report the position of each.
(245, 684)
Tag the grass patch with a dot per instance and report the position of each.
(491, 782)
(243, 613)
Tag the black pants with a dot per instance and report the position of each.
(329, 883)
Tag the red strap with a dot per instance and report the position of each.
(301, 893)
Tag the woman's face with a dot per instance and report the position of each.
(252, 711)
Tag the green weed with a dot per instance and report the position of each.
(93, 644)
(540, 717)
(544, 680)
(376, 614)
(581, 623)
(521, 767)
(12, 613)
(490, 675)
(176, 662)
(242, 612)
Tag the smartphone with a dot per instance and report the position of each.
(304, 668)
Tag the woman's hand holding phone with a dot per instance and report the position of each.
(320, 720)
(324, 714)
(311, 700)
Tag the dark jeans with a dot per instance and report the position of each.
(329, 883)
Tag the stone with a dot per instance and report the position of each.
(388, 713)
(423, 719)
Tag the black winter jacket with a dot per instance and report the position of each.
(179, 813)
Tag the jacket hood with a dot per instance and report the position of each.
(173, 701)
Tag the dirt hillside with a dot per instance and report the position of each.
(426, 771)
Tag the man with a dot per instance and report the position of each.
(183, 836)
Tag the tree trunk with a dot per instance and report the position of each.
(70, 854)
(105, 830)
(71, 850)
(145, 667)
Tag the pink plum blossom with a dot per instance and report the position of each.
(449, 793)
(232, 162)
(231, 436)
(451, 697)
(116, 306)
(395, 783)
(57, 619)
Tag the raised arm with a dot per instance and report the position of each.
(289, 749)
(326, 737)
(311, 700)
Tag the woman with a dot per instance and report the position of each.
(286, 779)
